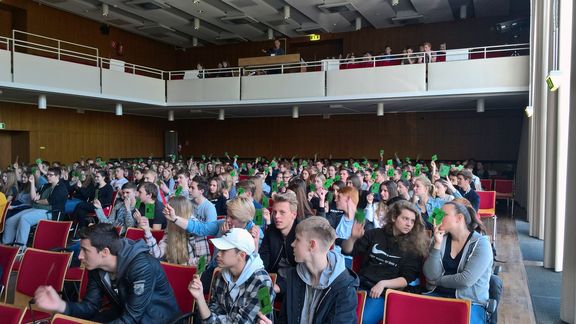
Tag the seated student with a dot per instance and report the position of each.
(103, 194)
(9, 185)
(204, 210)
(183, 183)
(138, 176)
(151, 176)
(320, 289)
(442, 191)
(177, 246)
(234, 297)
(460, 261)
(167, 183)
(347, 201)
(50, 199)
(247, 188)
(122, 212)
(119, 179)
(276, 248)
(147, 194)
(376, 211)
(298, 187)
(423, 198)
(23, 200)
(83, 188)
(215, 195)
(464, 183)
(392, 255)
(133, 281)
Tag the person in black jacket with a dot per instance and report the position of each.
(321, 290)
(103, 194)
(276, 249)
(122, 270)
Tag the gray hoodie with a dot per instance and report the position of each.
(474, 270)
(254, 263)
(336, 265)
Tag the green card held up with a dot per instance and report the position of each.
(264, 300)
(273, 164)
(360, 216)
(381, 153)
(330, 196)
(265, 202)
(138, 203)
(233, 173)
(251, 172)
(258, 219)
(346, 164)
(201, 266)
(337, 178)
(391, 172)
(356, 165)
(241, 191)
(178, 191)
(295, 165)
(328, 183)
(38, 161)
(374, 175)
(437, 216)
(375, 189)
(149, 211)
(282, 184)
(460, 167)
(304, 163)
(444, 170)
(390, 162)
(405, 175)
(312, 187)
(434, 157)
(275, 187)
(407, 159)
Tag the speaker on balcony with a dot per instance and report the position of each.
(170, 143)
(104, 29)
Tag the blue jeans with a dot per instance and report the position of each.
(373, 310)
(18, 226)
(71, 205)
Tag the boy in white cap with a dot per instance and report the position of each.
(234, 297)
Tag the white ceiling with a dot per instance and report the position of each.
(226, 21)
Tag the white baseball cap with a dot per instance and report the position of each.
(236, 238)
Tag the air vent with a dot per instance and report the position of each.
(337, 7)
(228, 36)
(239, 20)
(156, 30)
(148, 4)
(54, 1)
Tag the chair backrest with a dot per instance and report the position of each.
(11, 314)
(65, 319)
(134, 234)
(361, 294)
(158, 235)
(215, 274)
(399, 307)
(51, 234)
(274, 278)
(179, 277)
(40, 268)
(486, 184)
(3, 216)
(487, 203)
(504, 186)
(7, 258)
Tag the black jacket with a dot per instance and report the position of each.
(337, 304)
(274, 246)
(143, 294)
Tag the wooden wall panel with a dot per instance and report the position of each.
(67, 135)
(5, 22)
(488, 136)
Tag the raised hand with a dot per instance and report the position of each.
(195, 288)
(48, 299)
(357, 230)
(169, 213)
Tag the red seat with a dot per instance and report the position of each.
(179, 277)
(49, 235)
(65, 319)
(134, 234)
(158, 235)
(11, 314)
(39, 268)
(487, 208)
(505, 190)
(243, 177)
(402, 307)
(486, 184)
(210, 244)
(7, 258)
(361, 294)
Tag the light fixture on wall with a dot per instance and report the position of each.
(529, 111)
(194, 41)
(286, 12)
(105, 10)
(480, 105)
(221, 114)
(42, 102)
(196, 23)
(380, 109)
(80, 110)
(463, 11)
(270, 33)
(119, 109)
(326, 116)
(295, 113)
(358, 23)
(170, 115)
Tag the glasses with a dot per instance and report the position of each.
(50, 174)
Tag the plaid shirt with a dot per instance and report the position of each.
(197, 247)
(245, 308)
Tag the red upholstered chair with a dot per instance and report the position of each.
(134, 234)
(486, 184)
(243, 177)
(7, 258)
(64, 319)
(487, 208)
(505, 190)
(11, 314)
(179, 276)
(49, 235)
(210, 244)
(158, 235)
(3, 216)
(75, 275)
(215, 274)
(361, 294)
(39, 268)
(402, 307)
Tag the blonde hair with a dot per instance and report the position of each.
(177, 238)
(241, 208)
(289, 197)
(319, 228)
(426, 183)
(258, 192)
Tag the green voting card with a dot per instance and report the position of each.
(390, 162)
(391, 172)
(38, 161)
(330, 196)
(264, 300)
(138, 203)
(304, 163)
(444, 170)
(337, 178)
(178, 191)
(418, 170)
(407, 159)
(295, 165)
(312, 187)
(460, 167)
(265, 202)
(434, 157)
(381, 153)
(241, 191)
(233, 173)
(275, 187)
(282, 184)
(149, 211)
(201, 266)
(356, 165)
(405, 175)
(374, 175)
(345, 164)
(258, 219)
(251, 172)
(437, 216)
(273, 164)
(328, 183)
(375, 189)
(360, 216)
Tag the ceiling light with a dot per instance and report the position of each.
(105, 10)
(295, 112)
(119, 111)
(194, 41)
(270, 34)
(221, 114)
(80, 110)
(480, 105)
(196, 23)
(358, 23)
(170, 115)
(380, 109)
(42, 102)
(286, 12)
(529, 111)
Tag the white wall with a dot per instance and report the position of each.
(52, 73)
(212, 89)
(5, 74)
(280, 86)
(132, 86)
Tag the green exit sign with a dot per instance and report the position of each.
(2, 125)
